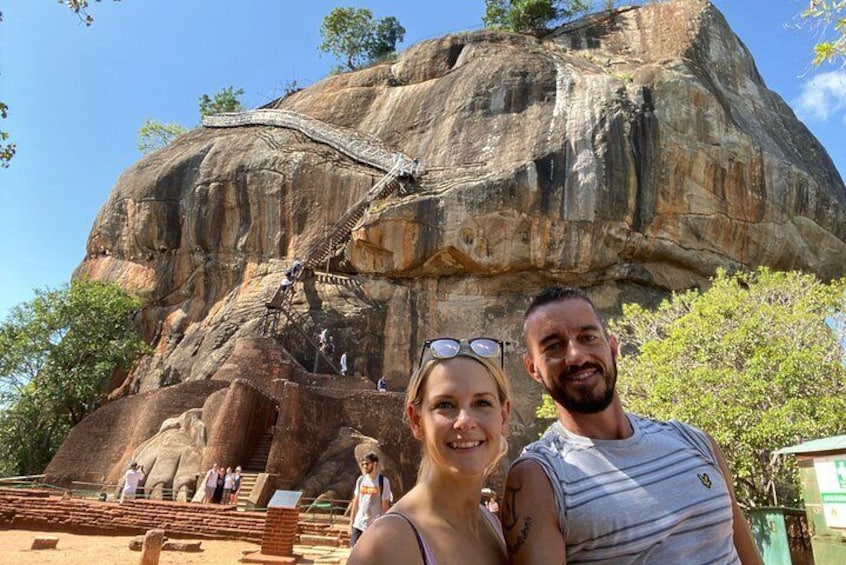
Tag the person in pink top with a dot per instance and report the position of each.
(457, 404)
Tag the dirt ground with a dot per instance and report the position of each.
(74, 549)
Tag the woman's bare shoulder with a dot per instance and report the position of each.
(387, 540)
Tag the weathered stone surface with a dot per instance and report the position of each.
(184, 546)
(137, 544)
(151, 548)
(101, 447)
(630, 154)
(44, 542)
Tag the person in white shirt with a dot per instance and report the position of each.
(371, 498)
(131, 480)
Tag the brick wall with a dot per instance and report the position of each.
(243, 417)
(22, 509)
(280, 532)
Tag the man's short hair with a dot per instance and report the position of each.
(370, 456)
(133, 465)
(556, 294)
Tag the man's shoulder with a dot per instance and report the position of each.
(550, 439)
(653, 425)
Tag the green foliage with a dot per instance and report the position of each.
(752, 361)
(154, 135)
(7, 150)
(224, 101)
(351, 35)
(829, 17)
(80, 8)
(57, 353)
(531, 15)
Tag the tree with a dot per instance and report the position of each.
(154, 135)
(224, 101)
(80, 8)
(57, 354)
(352, 35)
(7, 150)
(753, 361)
(530, 15)
(829, 16)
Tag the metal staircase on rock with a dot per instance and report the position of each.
(356, 146)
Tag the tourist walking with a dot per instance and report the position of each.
(457, 405)
(371, 497)
(131, 479)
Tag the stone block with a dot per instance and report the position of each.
(152, 547)
(44, 543)
(186, 546)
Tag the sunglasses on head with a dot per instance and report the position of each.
(449, 347)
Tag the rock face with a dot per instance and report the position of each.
(631, 153)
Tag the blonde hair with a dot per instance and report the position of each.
(417, 387)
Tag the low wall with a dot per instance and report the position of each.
(34, 510)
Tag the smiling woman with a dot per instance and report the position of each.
(457, 404)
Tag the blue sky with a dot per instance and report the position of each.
(77, 95)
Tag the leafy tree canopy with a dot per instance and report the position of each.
(829, 18)
(227, 100)
(57, 354)
(753, 361)
(351, 35)
(154, 135)
(531, 15)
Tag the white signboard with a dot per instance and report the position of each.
(831, 478)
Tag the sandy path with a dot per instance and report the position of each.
(112, 550)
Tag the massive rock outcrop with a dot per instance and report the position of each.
(631, 153)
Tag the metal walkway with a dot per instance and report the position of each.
(396, 165)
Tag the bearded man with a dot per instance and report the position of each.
(604, 485)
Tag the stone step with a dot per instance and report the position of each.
(318, 540)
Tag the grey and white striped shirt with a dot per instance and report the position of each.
(656, 497)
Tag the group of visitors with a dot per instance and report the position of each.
(292, 275)
(601, 484)
(221, 485)
(326, 342)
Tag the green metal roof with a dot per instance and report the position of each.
(833, 443)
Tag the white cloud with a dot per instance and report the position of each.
(822, 97)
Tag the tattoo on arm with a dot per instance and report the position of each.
(510, 520)
(509, 514)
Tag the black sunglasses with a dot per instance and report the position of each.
(449, 347)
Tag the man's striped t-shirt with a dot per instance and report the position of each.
(655, 497)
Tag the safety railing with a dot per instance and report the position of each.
(352, 143)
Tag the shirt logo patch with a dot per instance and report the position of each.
(704, 479)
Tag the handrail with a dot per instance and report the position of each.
(350, 142)
(21, 478)
(143, 492)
